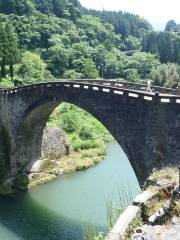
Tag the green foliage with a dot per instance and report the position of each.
(9, 52)
(133, 43)
(89, 69)
(85, 144)
(167, 75)
(143, 63)
(86, 133)
(68, 122)
(32, 68)
(61, 8)
(123, 22)
(72, 75)
(132, 75)
(83, 130)
(18, 7)
(90, 233)
(6, 83)
(72, 42)
(170, 25)
(73, 45)
(166, 45)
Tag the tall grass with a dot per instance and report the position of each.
(90, 233)
(113, 212)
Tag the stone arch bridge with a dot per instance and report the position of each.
(146, 125)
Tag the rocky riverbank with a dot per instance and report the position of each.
(159, 218)
(155, 213)
(58, 157)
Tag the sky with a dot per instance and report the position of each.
(157, 12)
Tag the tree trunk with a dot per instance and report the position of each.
(11, 71)
(3, 69)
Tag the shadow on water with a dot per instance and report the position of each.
(23, 218)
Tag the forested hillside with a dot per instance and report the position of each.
(124, 23)
(43, 40)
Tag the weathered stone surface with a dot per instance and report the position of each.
(36, 167)
(54, 144)
(166, 232)
(141, 235)
(156, 217)
(148, 131)
(143, 198)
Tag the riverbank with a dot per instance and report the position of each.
(75, 161)
(83, 144)
(154, 212)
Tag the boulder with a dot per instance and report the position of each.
(54, 144)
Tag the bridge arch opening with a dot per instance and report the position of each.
(34, 134)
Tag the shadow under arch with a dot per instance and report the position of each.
(5, 150)
(24, 218)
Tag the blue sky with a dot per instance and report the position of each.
(157, 12)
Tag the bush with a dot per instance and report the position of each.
(32, 68)
(87, 133)
(69, 122)
(85, 144)
(72, 75)
(6, 83)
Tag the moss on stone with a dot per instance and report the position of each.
(21, 182)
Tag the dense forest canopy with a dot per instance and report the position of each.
(65, 40)
(124, 23)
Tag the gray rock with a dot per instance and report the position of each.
(141, 235)
(54, 144)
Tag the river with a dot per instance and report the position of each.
(60, 209)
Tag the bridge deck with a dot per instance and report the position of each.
(135, 90)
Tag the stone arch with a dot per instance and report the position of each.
(146, 130)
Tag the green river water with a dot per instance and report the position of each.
(60, 209)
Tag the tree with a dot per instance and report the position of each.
(89, 69)
(143, 62)
(170, 25)
(19, 7)
(167, 75)
(44, 6)
(13, 53)
(3, 41)
(9, 52)
(72, 75)
(32, 68)
(132, 75)
(69, 121)
(132, 43)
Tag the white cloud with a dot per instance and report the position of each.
(153, 10)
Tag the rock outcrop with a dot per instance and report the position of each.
(54, 146)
